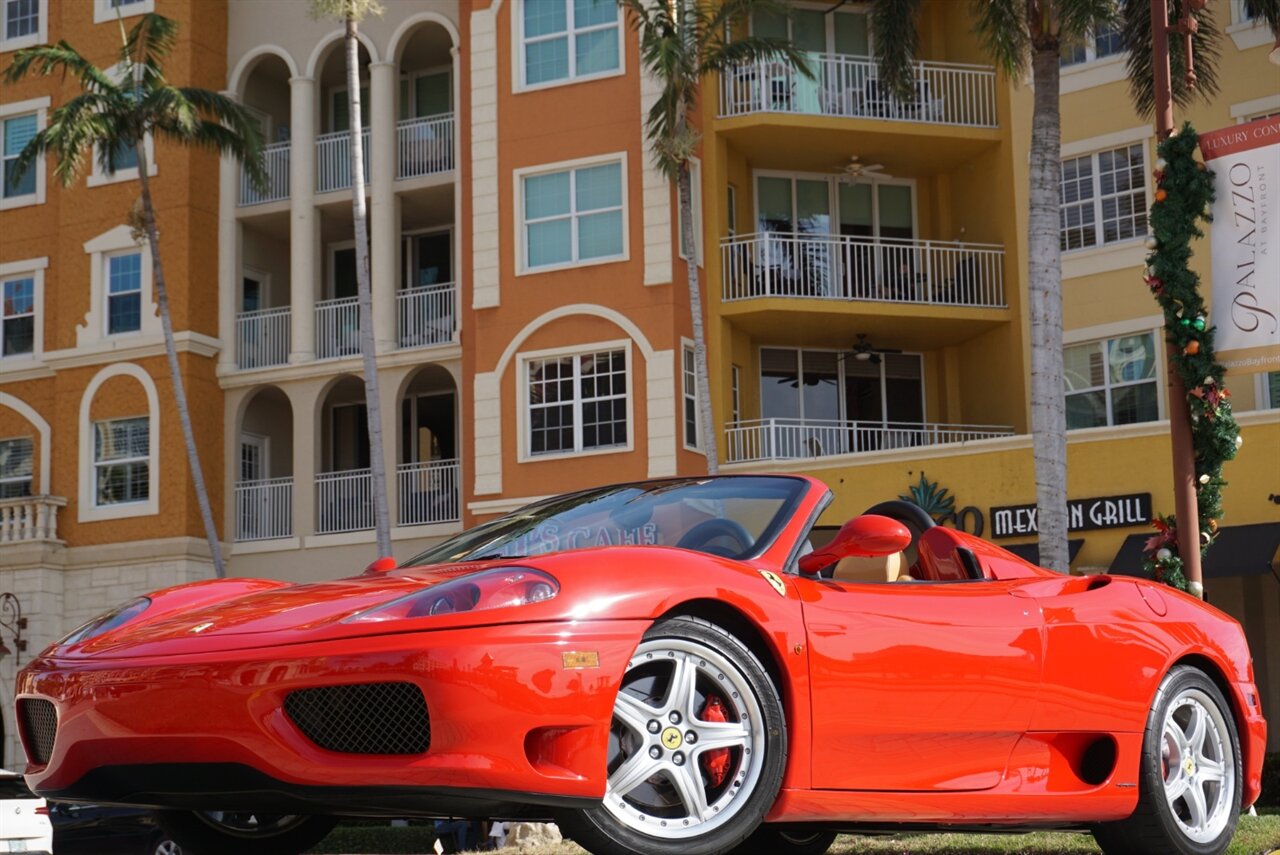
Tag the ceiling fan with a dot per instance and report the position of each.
(863, 351)
(855, 169)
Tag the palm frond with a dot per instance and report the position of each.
(1267, 10)
(896, 24)
(44, 60)
(85, 123)
(341, 10)
(1077, 18)
(1206, 46)
(1004, 31)
(721, 56)
(148, 43)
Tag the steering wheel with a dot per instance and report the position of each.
(734, 539)
(914, 518)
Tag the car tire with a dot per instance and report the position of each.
(783, 839)
(668, 794)
(163, 844)
(218, 833)
(1189, 780)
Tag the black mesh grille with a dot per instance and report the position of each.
(39, 727)
(365, 718)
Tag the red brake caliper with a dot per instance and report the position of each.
(715, 763)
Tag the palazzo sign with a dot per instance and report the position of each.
(1245, 241)
(1082, 515)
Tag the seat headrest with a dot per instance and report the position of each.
(879, 568)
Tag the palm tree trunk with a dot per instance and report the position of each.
(1044, 278)
(684, 191)
(175, 373)
(359, 211)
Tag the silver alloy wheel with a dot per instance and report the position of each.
(656, 783)
(1198, 762)
(249, 824)
(167, 847)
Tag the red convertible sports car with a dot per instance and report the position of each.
(664, 667)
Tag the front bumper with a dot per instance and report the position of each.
(509, 722)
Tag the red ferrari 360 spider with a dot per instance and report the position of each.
(664, 667)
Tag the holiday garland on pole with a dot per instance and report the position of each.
(1184, 192)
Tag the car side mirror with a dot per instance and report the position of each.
(385, 564)
(866, 535)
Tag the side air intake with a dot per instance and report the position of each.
(364, 718)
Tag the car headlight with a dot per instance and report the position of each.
(113, 619)
(491, 589)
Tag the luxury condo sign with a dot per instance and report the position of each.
(1246, 243)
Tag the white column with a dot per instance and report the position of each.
(384, 220)
(228, 260)
(304, 398)
(304, 223)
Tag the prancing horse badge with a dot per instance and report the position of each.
(773, 579)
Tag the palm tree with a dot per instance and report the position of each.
(115, 114)
(1017, 34)
(352, 12)
(680, 45)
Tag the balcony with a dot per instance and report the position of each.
(425, 315)
(264, 509)
(844, 267)
(275, 162)
(262, 338)
(333, 160)
(428, 492)
(30, 519)
(849, 86)
(337, 328)
(424, 146)
(800, 439)
(344, 501)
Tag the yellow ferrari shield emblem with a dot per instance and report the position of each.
(671, 738)
(774, 580)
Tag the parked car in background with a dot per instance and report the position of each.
(24, 817)
(80, 829)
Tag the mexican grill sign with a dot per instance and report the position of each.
(1082, 515)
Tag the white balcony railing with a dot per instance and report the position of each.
(424, 146)
(426, 315)
(845, 267)
(30, 519)
(333, 160)
(275, 162)
(428, 492)
(344, 501)
(262, 338)
(789, 439)
(337, 328)
(264, 509)
(945, 93)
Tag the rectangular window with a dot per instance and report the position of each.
(16, 457)
(1104, 197)
(123, 156)
(573, 216)
(122, 461)
(735, 381)
(578, 403)
(17, 316)
(1103, 42)
(690, 389)
(21, 18)
(18, 131)
(124, 293)
(1112, 382)
(1272, 384)
(569, 39)
(732, 218)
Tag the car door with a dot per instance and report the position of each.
(919, 685)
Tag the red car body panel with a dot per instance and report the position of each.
(967, 702)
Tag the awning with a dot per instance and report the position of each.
(1240, 550)
(1031, 551)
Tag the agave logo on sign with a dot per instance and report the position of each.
(936, 502)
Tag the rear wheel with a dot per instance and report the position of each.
(778, 839)
(162, 844)
(244, 833)
(1189, 783)
(696, 750)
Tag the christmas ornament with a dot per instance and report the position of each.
(1204, 479)
(1163, 554)
(1192, 348)
(1161, 195)
(1199, 323)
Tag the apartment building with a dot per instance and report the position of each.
(868, 318)
(95, 498)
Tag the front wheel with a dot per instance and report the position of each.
(1189, 780)
(244, 833)
(696, 751)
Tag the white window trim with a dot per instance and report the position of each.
(1091, 54)
(87, 509)
(1246, 33)
(103, 11)
(523, 454)
(1249, 110)
(518, 84)
(98, 465)
(40, 36)
(799, 350)
(32, 268)
(1153, 324)
(698, 446)
(1119, 257)
(1095, 72)
(39, 106)
(518, 177)
(833, 195)
(98, 178)
(411, 77)
(735, 392)
(731, 201)
(106, 298)
(1262, 393)
(331, 280)
(695, 185)
(94, 328)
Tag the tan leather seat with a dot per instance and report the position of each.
(880, 568)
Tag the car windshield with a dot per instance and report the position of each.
(734, 516)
